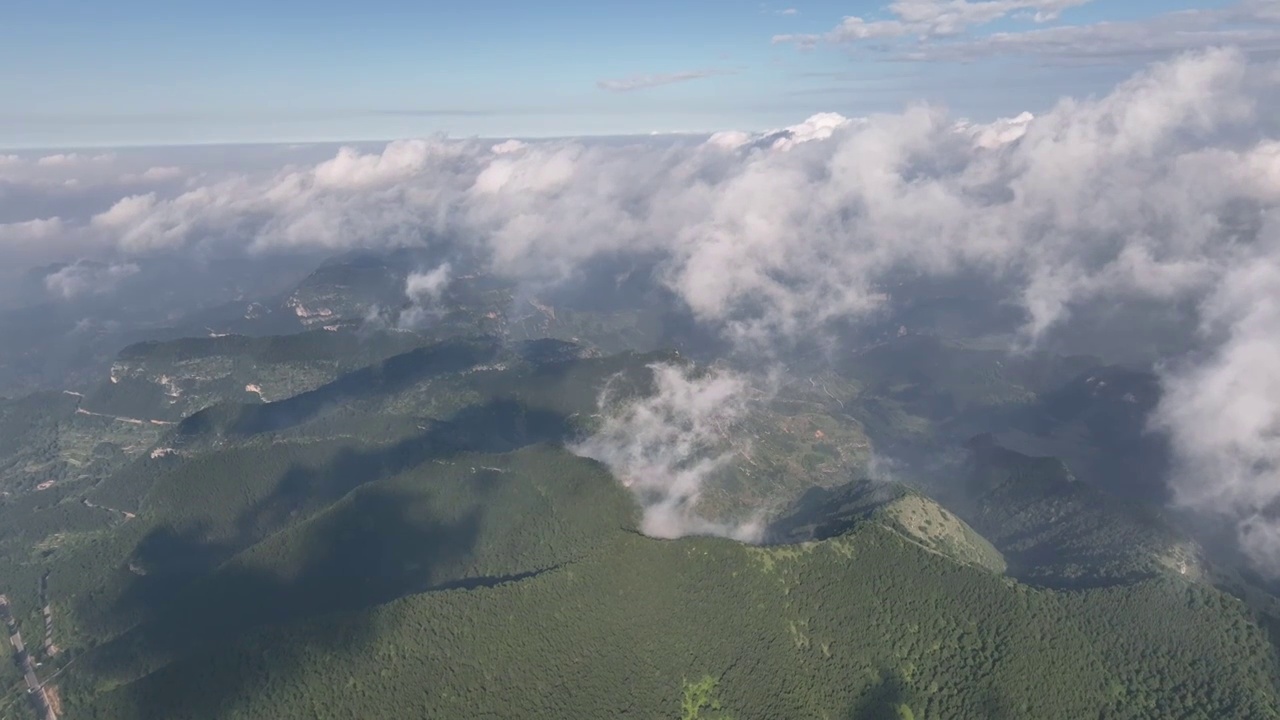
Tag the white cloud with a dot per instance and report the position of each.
(771, 242)
(817, 127)
(73, 159)
(730, 139)
(69, 184)
(40, 241)
(1223, 414)
(924, 19)
(665, 446)
(350, 169)
(644, 82)
(30, 231)
(155, 174)
(83, 278)
(1164, 190)
(428, 285)
(928, 30)
(998, 133)
(1240, 26)
(424, 290)
(507, 146)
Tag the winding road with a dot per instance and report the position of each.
(35, 690)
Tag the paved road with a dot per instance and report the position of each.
(34, 689)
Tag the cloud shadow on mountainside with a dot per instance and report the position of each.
(386, 378)
(371, 547)
(381, 545)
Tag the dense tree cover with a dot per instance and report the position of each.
(342, 348)
(43, 440)
(30, 422)
(823, 513)
(13, 691)
(947, 381)
(921, 399)
(1097, 423)
(1057, 530)
(859, 626)
(435, 382)
(203, 500)
(468, 521)
(524, 594)
(701, 702)
(407, 540)
(172, 379)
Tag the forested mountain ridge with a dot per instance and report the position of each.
(861, 625)
(1060, 530)
(174, 379)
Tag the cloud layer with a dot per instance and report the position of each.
(1165, 191)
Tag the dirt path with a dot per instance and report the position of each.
(50, 650)
(127, 515)
(131, 421)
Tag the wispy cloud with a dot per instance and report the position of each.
(1250, 27)
(924, 19)
(932, 30)
(666, 446)
(86, 278)
(644, 82)
(448, 112)
(767, 9)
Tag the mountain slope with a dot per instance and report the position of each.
(1057, 530)
(465, 520)
(856, 626)
(173, 379)
(823, 513)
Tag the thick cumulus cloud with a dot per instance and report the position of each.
(774, 235)
(351, 199)
(1163, 191)
(1223, 412)
(665, 446)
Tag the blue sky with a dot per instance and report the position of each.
(141, 72)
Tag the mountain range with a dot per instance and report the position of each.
(347, 498)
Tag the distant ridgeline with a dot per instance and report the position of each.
(386, 523)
